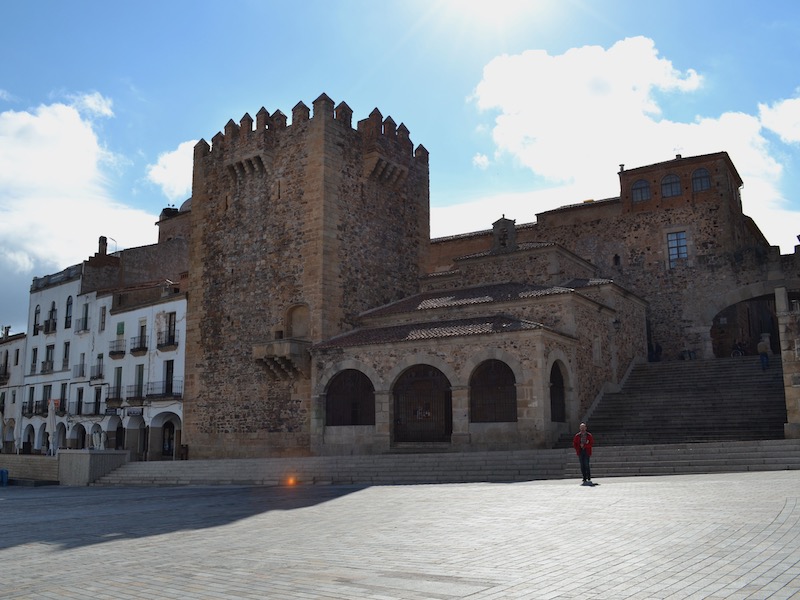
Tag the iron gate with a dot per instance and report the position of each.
(423, 406)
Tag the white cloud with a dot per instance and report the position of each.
(173, 171)
(481, 161)
(783, 118)
(574, 118)
(479, 214)
(5, 95)
(93, 104)
(54, 197)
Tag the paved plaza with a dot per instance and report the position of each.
(685, 536)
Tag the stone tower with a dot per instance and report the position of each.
(295, 230)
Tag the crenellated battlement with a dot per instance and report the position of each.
(246, 147)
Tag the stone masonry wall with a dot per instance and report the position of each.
(286, 215)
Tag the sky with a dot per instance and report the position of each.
(524, 105)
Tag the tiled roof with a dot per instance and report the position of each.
(501, 292)
(430, 331)
(588, 204)
(581, 282)
(519, 248)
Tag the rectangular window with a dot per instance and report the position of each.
(49, 354)
(676, 244)
(103, 318)
(16, 357)
(139, 390)
(13, 397)
(47, 392)
(63, 395)
(65, 358)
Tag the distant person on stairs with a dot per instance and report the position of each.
(763, 352)
(583, 442)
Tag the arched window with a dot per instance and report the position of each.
(670, 186)
(350, 400)
(701, 180)
(492, 393)
(558, 404)
(297, 322)
(423, 406)
(68, 314)
(640, 191)
(37, 314)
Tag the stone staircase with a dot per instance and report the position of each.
(523, 465)
(671, 418)
(692, 401)
(383, 469)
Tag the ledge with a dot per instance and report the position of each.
(285, 359)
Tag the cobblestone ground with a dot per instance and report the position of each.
(679, 537)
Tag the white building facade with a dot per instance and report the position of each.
(100, 366)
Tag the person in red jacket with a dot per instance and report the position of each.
(583, 442)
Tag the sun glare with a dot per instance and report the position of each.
(496, 17)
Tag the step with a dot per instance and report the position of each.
(611, 461)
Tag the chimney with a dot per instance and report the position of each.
(6, 330)
(103, 246)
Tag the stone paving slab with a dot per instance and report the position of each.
(687, 536)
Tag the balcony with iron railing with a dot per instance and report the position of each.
(61, 406)
(165, 389)
(116, 348)
(5, 375)
(135, 394)
(27, 408)
(79, 370)
(50, 326)
(65, 364)
(79, 407)
(139, 345)
(33, 368)
(40, 407)
(115, 396)
(47, 366)
(96, 371)
(167, 340)
(82, 408)
(81, 325)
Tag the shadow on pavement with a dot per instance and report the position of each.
(71, 517)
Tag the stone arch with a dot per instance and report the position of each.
(165, 434)
(350, 399)
(137, 435)
(41, 437)
(495, 354)
(324, 379)
(7, 436)
(115, 433)
(421, 358)
(720, 339)
(571, 404)
(492, 393)
(558, 394)
(298, 322)
(60, 436)
(28, 438)
(714, 304)
(423, 405)
(77, 436)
